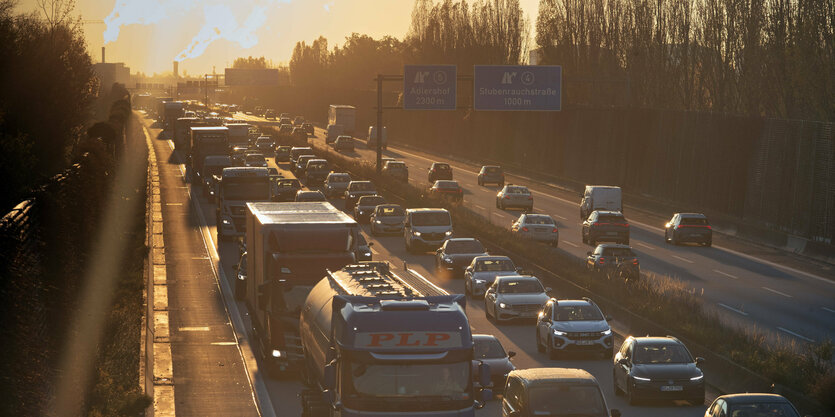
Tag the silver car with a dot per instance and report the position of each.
(336, 183)
(515, 297)
(514, 196)
(573, 326)
(387, 218)
(539, 227)
(483, 270)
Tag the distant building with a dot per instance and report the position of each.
(109, 73)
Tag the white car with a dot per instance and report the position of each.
(539, 227)
(483, 270)
(515, 297)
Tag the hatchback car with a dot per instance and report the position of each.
(515, 297)
(483, 270)
(336, 183)
(573, 325)
(255, 160)
(514, 196)
(491, 174)
(751, 405)
(488, 349)
(608, 255)
(285, 189)
(688, 227)
(304, 196)
(554, 392)
(538, 227)
(397, 170)
(282, 154)
(456, 254)
(608, 226)
(387, 218)
(447, 189)
(355, 190)
(658, 368)
(365, 206)
(265, 145)
(439, 171)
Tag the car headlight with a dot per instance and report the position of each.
(697, 378)
(640, 378)
(559, 333)
(448, 260)
(242, 277)
(416, 233)
(366, 254)
(502, 305)
(606, 332)
(479, 281)
(378, 222)
(448, 233)
(226, 222)
(351, 196)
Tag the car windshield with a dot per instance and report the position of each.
(619, 252)
(339, 178)
(361, 186)
(318, 166)
(539, 220)
(371, 200)
(441, 167)
(395, 165)
(567, 400)
(773, 409)
(520, 286)
(495, 265)
(661, 353)
(446, 184)
(439, 381)
(487, 348)
(283, 151)
(390, 211)
(431, 219)
(463, 246)
(694, 221)
(577, 313)
(264, 141)
(492, 170)
(517, 190)
(289, 184)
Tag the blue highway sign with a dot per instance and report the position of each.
(517, 87)
(429, 87)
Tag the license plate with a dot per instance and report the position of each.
(671, 388)
(585, 342)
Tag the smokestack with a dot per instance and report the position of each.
(176, 69)
(102, 55)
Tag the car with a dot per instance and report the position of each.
(396, 170)
(282, 154)
(265, 145)
(269, 114)
(515, 297)
(487, 349)
(439, 171)
(299, 135)
(285, 115)
(355, 190)
(255, 160)
(573, 326)
(344, 144)
(514, 196)
(336, 183)
(688, 227)
(456, 254)
(657, 368)
(286, 189)
(304, 196)
(491, 174)
(331, 133)
(387, 218)
(259, 111)
(607, 255)
(285, 120)
(240, 282)
(751, 405)
(540, 391)
(365, 206)
(447, 189)
(371, 139)
(426, 228)
(483, 270)
(297, 151)
(316, 171)
(538, 227)
(363, 250)
(298, 121)
(606, 226)
(301, 164)
(308, 127)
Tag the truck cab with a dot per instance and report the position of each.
(237, 186)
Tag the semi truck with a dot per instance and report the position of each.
(379, 343)
(235, 187)
(182, 130)
(343, 115)
(205, 141)
(290, 246)
(172, 110)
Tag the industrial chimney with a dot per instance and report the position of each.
(102, 55)
(176, 69)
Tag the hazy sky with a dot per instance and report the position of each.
(148, 35)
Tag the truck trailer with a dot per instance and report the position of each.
(235, 187)
(206, 141)
(343, 115)
(378, 343)
(172, 110)
(290, 247)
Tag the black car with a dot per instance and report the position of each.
(488, 349)
(316, 171)
(609, 226)
(456, 254)
(606, 256)
(355, 190)
(282, 154)
(751, 405)
(658, 368)
(491, 174)
(439, 171)
(344, 144)
(363, 250)
(365, 206)
(308, 127)
(286, 189)
(299, 135)
(301, 165)
(304, 196)
(688, 227)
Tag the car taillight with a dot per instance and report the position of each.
(507, 197)
(530, 197)
(678, 227)
(635, 262)
(524, 229)
(595, 224)
(555, 230)
(602, 259)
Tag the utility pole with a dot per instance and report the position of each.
(379, 123)
(206, 86)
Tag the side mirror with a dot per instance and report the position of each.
(438, 250)
(510, 354)
(699, 361)
(549, 290)
(614, 412)
(588, 253)
(608, 318)
(370, 244)
(407, 225)
(623, 361)
(330, 376)
(469, 269)
(519, 269)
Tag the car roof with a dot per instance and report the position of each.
(614, 245)
(658, 340)
(426, 210)
(317, 160)
(572, 302)
(370, 197)
(518, 277)
(389, 205)
(462, 239)
(609, 212)
(752, 398)
(446, 182)
(492, 258)
(484, 337)
(360, 181)
(490, 166)
(535, 376)
(692, 215)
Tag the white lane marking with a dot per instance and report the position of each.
(173, 204)
(726, 274)
(478, 207)
(194, 329)
(560, 217)
(683, 259)
(784, 330)
(733, 309)
(224, 343)
(777, 292)
(645, 245)
(829, 310)
(570, 243)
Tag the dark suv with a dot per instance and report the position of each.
(607, 255)
(439, 171)
(658, 368)
(491, 174)
(609, 226)
(688, 227)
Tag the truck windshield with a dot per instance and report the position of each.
(252, 189)
(567, 400)
(409, 382)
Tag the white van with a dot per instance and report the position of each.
(426, 229)
(372, 137)
(600, 197)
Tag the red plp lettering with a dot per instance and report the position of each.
(380, 337)
(404, 340)
(433, 338)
